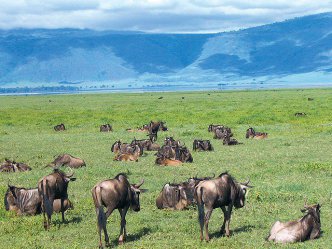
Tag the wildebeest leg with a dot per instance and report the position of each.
(222, 229)
(62, 210)
(228, 220)
(123, 232)
(107, 214)
(206, 224)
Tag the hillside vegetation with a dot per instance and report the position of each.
(292, 164)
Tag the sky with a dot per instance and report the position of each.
(156, 16)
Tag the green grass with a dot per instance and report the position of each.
(294, 163)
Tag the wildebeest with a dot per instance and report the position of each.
(178, 196)
(162, 160)
(221, 192)
(105, 128)
(213, 127)
(308, 227)
(129, 155)
(116, 193)
(12, 166)
(28, 202)
(67, 160)
(202, 145)
(181, 153)
(220, 132)
(153, 137)
(51, 187)
(227, 140)
(145, 144)
(172, 142)
(300, 114)
(251, 133)
(118, 146)
(60, 127)
(154, 127)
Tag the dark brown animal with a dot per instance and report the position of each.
(60, 127)
(227, 140)
(67, 160)
(146, 144)
(105, 128)
(154, 127)
(251, 133)
(129, 155)
(184, 155)
(221, 192)
(202, 145)
(116, 193)
(172, 196)
(300, 114)
(213, 127)
(172, 142)
(12, 166)
(220, 132)
(51, 187)
(28, 202)
(153, 137)
(306, 228)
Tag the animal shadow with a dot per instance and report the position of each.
(133, 237)
(58, 222)
(243, 229)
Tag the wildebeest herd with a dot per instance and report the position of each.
(207, 193)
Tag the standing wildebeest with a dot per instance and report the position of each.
(51, 187)
(67, 160)
(154, 127)
(202, 145)
(28, 202)
(308, 227)
(60, 127)
(105, 128)
(12, 166)
(221, 192)
(116, 193)
(251, 133)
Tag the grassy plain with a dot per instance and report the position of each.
(294, 163)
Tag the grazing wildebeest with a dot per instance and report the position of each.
(28, 202)
(221, 192)
(67, 160)
(105, 128)
(60, 127)
(251, 133)
(308, 227)
(202, 145)
(300, 114)
(213, 127)
(162, 160)
(51, 187)
(116, 193)
(154, 127)
(12, 166)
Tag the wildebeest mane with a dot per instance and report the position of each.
(121, 174)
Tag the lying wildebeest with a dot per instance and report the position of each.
(116, 193)
(221, 192)
(184, 155)
(12, 166)
(28, 202)
(144, 128)
(178, 196)
(227, 140)
(202, 145)
(51, 187)
(162, 160)
(175, 153)
(105, 128)
(118, 146)
(154, 127)
(308, 227)
(145, 144)
(172, 142)
(67, 160)
(130, 155)
(220, 132)
(251, 133)
(299, 114)
(213, 127)
(60, 127)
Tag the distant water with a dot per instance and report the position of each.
(176, 88)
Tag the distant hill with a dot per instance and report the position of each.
(297, 49)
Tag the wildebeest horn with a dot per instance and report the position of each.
(138, 185)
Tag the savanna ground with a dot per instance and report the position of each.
(294, 163)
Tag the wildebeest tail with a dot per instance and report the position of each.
(200, 205)
(48, 207)
(101, 218)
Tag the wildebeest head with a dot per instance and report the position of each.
(163, 126)
(250, 132)
(10, 197)
(241, 195)
(116, 146)
(314, 210)
(134, 198)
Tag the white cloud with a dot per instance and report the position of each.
(153, 15)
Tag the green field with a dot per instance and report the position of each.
(294, 163)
